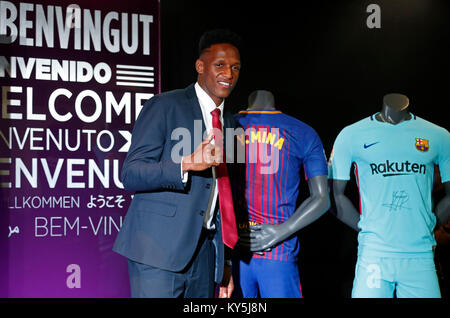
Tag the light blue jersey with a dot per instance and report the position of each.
(394, 169)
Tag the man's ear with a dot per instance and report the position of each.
(199, 66)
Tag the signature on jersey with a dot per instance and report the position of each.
(399, 200)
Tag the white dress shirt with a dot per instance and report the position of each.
(207, 105)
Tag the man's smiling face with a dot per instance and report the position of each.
(218, 70)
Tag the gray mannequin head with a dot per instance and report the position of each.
(261, 100)
(394, 109)
(396, 101)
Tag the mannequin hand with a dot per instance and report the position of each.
(263, 237)
(246, 242)
(260, 238)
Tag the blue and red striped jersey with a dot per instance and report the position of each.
(276, 147)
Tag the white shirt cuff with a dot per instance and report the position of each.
(184, 175)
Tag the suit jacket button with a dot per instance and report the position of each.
(208, 185)
(202, 213)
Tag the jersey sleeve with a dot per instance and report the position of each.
(444, 157)
(315, 163)
(341, 157)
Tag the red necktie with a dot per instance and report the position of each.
(228, 220)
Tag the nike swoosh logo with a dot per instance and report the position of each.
(370, 145)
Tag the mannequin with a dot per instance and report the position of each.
(266, 263)
(396, 225)
(395, 109)
(263, 237)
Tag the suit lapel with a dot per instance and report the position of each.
(194, 108)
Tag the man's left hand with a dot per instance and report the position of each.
(227, 285)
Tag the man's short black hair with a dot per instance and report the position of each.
(218, 36)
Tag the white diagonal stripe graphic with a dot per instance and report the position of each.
(136, 67)
(134, 84)
(135, 73)
(133, 78)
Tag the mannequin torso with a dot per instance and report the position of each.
(395, 110)
(264, 237)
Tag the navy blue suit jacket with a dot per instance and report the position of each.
(164, 221)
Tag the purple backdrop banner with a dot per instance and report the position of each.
(74, 77)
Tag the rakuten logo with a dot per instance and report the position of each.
(389, 169)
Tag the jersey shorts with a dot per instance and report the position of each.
(386, 277)
(267, 278)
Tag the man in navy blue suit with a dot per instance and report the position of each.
(172, 233)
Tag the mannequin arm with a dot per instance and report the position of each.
(346, 212)
(265, 236)
(443, 207)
